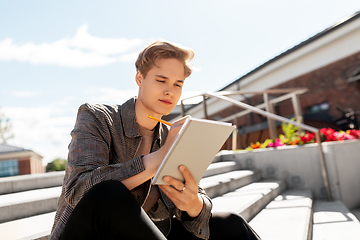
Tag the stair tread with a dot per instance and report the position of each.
(28, 228)
(29, 196)
(333, 220)
(243, 197)
(288, 216)
(221, 164)
(31, 176)
(224, 177)
(30, 182)
(220, 167)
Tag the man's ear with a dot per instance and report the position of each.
(139, 78)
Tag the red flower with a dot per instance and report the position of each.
(354, 132)
(329, 134)
(308, 137)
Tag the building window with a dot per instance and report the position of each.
(9, 168)
(318, 108)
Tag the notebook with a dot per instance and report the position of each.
(195, 147)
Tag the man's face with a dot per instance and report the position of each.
(161, 89)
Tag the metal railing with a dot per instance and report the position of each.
(272, 116)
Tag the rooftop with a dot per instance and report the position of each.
(5, 148)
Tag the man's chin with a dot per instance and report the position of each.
(164, 112)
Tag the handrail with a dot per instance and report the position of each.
(281, 119)
(263, 105)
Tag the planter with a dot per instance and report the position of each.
(300, 167)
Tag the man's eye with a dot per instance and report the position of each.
(162, 81)
(178, 85)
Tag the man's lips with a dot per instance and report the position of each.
(165, 101)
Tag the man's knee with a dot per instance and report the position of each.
(108, 193)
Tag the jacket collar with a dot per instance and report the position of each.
(131, 127)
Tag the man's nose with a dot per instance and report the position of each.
(168, 92)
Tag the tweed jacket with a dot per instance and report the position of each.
(104, 142)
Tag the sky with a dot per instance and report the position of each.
(57, 55)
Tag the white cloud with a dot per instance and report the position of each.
(24, 93)
(82, 50)
(41, 129)
(111, 95)
(102, 46)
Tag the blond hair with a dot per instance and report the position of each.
(163, 50)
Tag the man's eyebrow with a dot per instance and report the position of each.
(163, 77)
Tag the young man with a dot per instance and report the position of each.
(114, 153)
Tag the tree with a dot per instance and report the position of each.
(57, 164)
(5, 128)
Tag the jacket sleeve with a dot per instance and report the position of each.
(199, 226)
(89, 155)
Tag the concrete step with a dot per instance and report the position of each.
(28, 203)
(250, 199)
(35, 227)
(288, 216)
(333, 220)
(221, 167)
(226, 182)
(31, 182)
(33, 210)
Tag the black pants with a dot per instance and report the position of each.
(110, 211)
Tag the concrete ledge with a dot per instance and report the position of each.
(333, 221)
(24, 204)
(221, 167)
(300, 167)
(249, 200)
(31, 182)
(36, 227)
(227, 182)
(289, 216)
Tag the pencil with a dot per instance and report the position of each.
(159, 120)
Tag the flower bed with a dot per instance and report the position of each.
(292, 136)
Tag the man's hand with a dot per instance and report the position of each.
(153, 160)
(184, 196)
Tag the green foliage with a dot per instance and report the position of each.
(291, 134)
(5, 128)
(58, 164)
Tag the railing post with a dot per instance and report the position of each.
(271, 122)
(323, 167)
(297, 108)
(182, 109)
(205, 110)
(234, 139)
(235, 135)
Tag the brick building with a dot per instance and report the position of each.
(19, 161)
(327, 64)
